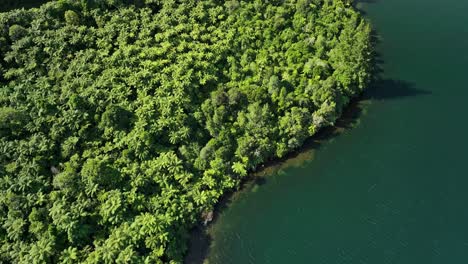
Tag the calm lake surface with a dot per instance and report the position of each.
(393, 189)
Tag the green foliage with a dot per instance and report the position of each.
(98, 173)
(11, 121)
(16, 32)
(122, 121)
(72, 18)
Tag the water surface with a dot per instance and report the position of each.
(393, 189)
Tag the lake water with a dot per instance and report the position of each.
(392, 189)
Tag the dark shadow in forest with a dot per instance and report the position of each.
(199, 245)
(8, 5)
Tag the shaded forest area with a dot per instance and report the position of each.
(7, 5)
(123, 122)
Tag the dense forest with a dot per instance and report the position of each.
(123, 122)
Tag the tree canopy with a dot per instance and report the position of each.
(122, 122)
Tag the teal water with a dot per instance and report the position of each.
(393, 189)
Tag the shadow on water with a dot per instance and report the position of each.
(380, 89)
(387, 89)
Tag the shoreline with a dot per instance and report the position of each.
(200, 237)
